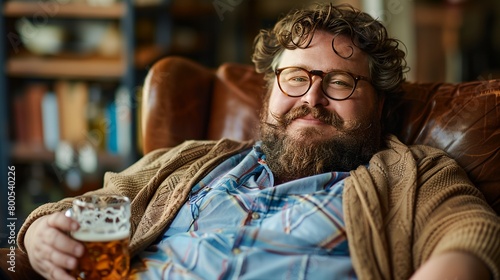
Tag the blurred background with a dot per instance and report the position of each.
(73, 69)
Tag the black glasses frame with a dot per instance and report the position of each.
(321, 74)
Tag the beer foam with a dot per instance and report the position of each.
(102, 222)
(96, 236)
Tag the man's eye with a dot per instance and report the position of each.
(299, 79)
(339, 83)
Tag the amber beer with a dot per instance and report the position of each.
(104, 232)
(104, 258)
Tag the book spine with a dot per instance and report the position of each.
(112, 135)
(33, 110)
(72, 99)
(123, 121)
(50, 120)
(20, 119)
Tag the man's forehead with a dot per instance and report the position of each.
(336, 49)
(340, 44)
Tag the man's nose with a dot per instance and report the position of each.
(315, 96)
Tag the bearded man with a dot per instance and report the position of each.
(325, 193)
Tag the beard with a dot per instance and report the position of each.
(309, 152)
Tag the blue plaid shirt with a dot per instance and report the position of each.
(238, 225)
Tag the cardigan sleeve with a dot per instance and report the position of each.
(141, 180)
(451, 214)
(139, 173)
(413, 203)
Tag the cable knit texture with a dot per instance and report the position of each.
(412, 203)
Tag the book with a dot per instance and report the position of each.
(34, 94)
(123, 121)
(50, 121)
(20, 128)
(111, 132)
(72, 98)
(97, 123)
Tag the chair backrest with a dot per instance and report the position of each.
(184, 100)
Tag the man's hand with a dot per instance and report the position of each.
(50, 250)
(453, 266)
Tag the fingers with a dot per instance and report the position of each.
(50, 271)
(52, 251)
(60, 221)
(55, 256)
(52, 264)
(55, 235)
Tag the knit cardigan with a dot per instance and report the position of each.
(411, 203)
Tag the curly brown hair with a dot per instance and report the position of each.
(386, 61)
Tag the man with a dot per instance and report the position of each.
(324, 194)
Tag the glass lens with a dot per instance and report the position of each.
(294, 81)
(338, 85)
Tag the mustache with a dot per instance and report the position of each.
(319, 113)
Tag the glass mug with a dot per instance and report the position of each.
(104, 231)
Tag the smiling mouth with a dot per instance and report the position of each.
(311, 120)
(313, 116)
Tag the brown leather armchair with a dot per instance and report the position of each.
(184, 100)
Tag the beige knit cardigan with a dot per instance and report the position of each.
(411, 203)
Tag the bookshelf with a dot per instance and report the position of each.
(35, 162)
(125, 71)
(23, 64)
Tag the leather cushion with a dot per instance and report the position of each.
(461, 119)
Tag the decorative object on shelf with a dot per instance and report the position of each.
(89, 35)
(111, 43)
(64, 156)
(72, 162)
(41, 39)
(87, 158)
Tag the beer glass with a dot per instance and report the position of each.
(104, 231)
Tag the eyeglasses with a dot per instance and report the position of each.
(336, 85)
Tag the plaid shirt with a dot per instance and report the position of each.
(238, 225)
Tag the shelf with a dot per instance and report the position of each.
(29, 65)
(22, 152)
(73, 10)
(190, 11)
(55, 67)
